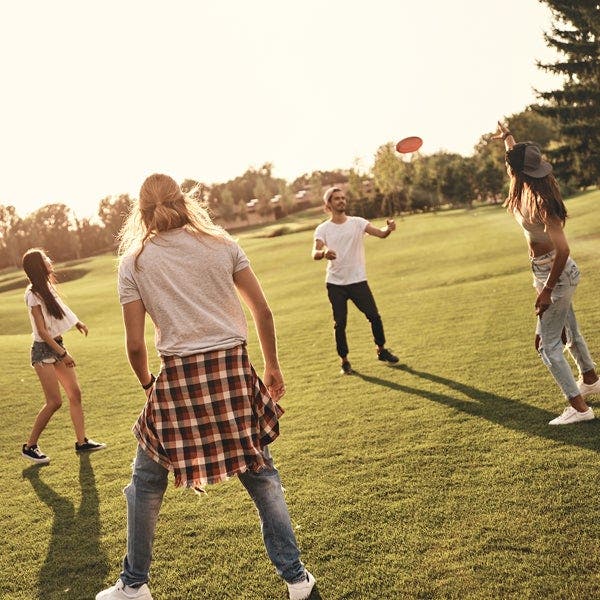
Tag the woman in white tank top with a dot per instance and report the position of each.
(535, 200)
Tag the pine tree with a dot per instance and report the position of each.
(575, 107)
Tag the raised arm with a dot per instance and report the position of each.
(384, 231)
(253, 296)
(134, 317)
(503, 133)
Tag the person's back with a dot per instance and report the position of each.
(208, 416)
(185, 280)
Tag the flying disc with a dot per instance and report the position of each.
(409, 144)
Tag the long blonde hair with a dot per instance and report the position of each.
(163, 206)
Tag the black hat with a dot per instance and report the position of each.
(526, 157)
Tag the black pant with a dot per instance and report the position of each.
(361, 295)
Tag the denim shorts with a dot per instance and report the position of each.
(43, 353)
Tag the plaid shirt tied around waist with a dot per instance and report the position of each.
(209, 417)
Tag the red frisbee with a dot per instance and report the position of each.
(409, 144)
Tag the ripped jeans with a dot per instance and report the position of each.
(559, 316)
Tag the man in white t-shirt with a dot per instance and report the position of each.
(340, 241)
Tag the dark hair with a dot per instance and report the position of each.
(41, 281)
(515, 157)
(535, 197)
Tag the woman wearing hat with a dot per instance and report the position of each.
(535, 201)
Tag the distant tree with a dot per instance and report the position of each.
(53, 228)
(392, 176)
(328, 178)
(242, 212)
(227, 207)
(286, 198)
(315, 186)
(10, 249)
(262, 192)
(575, 107)
(92, 237)
(455, 177)
(112, 211)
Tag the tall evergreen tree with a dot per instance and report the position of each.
(576, 107)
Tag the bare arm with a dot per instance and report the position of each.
(134, 317)
(253, 296)
(320, 251)
(555, 231)
(503, 133)
(40, 325)
(384, 231)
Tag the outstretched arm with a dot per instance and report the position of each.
(253, 296)
(384, 231)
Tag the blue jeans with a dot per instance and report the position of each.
(144, 497)
(559, 316)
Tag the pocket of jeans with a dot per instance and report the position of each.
(574, 274)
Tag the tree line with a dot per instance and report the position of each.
(566, 124)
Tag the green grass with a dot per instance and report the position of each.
(436, 479)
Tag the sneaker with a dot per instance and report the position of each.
(120, 591)
(386, 356)
(571, 415)
(89, 446)
(588, 389)
(346, 369)
(35, 454)
(302, 589)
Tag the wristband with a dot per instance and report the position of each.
(149, 385)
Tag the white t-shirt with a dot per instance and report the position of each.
(54, 326)
(186, 285)
(346, 240)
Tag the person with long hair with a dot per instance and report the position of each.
(535, 200)
(50, 317)
(207, 415)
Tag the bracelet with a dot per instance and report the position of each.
(149, 385)
(505, 135)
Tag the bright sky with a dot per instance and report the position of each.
(96, 95)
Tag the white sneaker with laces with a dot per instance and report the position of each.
(588, 389)
(572, 415)
(302, 589)
(120, 591)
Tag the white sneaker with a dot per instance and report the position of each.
(572, 415)
(120, 591)
(588, 389)
(302, 589)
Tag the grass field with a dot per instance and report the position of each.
(438, 478)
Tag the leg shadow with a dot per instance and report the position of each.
(506, 412)
(76, 565)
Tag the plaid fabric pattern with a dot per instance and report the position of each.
(209, 417)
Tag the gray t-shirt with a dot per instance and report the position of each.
(186, 284)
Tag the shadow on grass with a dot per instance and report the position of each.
(506, 412)
(75, 566)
